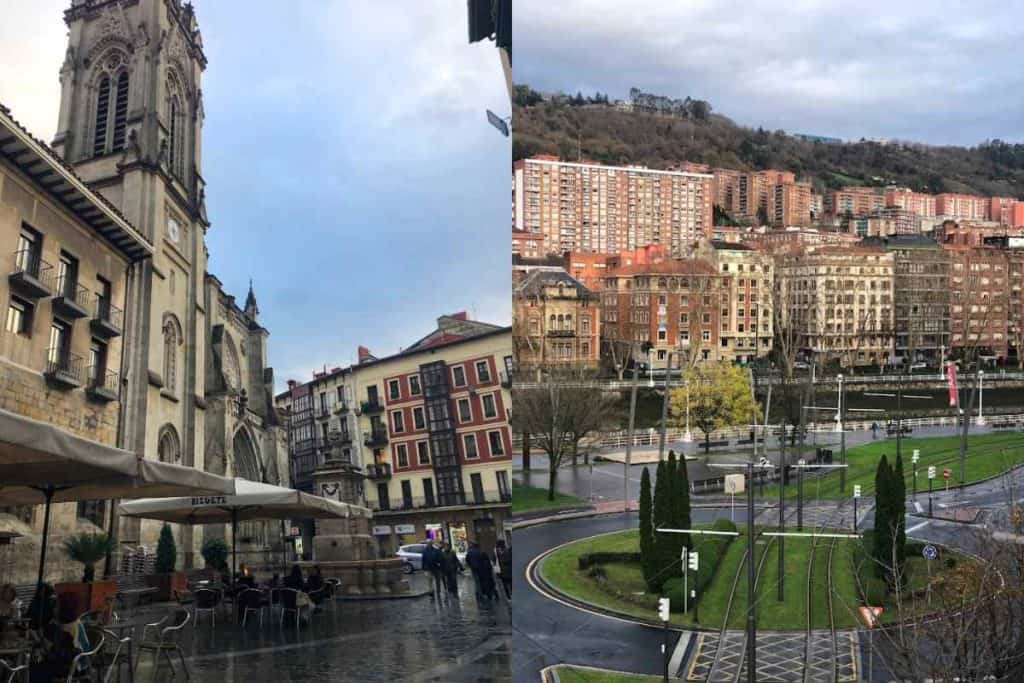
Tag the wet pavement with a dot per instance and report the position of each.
(411, 639)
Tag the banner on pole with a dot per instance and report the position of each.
(951, 379)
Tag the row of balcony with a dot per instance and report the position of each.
(35, 279)
(67, 371)
(326, 410)
(421, 503)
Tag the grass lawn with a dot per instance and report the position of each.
(560, 570)
(530, 498)
(577, 674)
(987, 455)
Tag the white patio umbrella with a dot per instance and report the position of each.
(252, 500)
(41, 464)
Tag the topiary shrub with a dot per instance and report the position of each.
(215, 553)
(673, 590)
(166, 552)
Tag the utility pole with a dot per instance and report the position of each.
(751, 610)
(782, 511)
(629, 439)
(842, 434)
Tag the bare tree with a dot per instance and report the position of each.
(559, 412)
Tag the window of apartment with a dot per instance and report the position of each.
(324, 430)
(469, 446)
(494, 440)
(407, 494)
(418, 421)
(341, 394)
(103, 297)
(60, 343)
(97, 362)
(30, 248)
(394, 393)
(414, 385)
(382, 497)
(428, 492)
(503, 489)
(323, 402)
(478, 487)
(422, 453)
(662, 334)
(67, 275)
(706, 317)
(585, 324)
(397, 421)
(490, 409)
(705, 335)
(402, 455)
(483, 371)
(465, 410)
(19, 317)
(459, 376)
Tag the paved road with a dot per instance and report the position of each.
(546, 632)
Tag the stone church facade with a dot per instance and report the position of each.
(195, 389)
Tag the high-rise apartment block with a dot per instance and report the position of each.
(586, 206)
(790, 204)
(962, 206)
(856, 201)
(917, 203)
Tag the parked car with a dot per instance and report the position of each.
(411, 556)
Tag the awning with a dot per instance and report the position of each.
(37, 456)
(252, 500)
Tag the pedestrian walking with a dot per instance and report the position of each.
(474, 563)
(479, 563)
(503, 558)
(432, 564)
(874, 431)
(451, 567)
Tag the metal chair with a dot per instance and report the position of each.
(113, 661)
(206, 600)
(253, 600)
(83, 663)
(334, 588)
(167, 643)
(289, 603)
(13, 674)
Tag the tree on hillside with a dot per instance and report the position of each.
(561, 410)
(719, 396)
(646, 528)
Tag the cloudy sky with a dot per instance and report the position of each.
(939, 72)
(350, 168)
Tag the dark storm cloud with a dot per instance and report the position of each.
(941, 72)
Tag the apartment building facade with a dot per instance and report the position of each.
(854, 201)
(746, 327)
(962, 206)
(606, 209)
(889, 221)
(555, 320)
(839, 302)
(791, 204)
(918, 203)
(1007, 211)
(980, 299)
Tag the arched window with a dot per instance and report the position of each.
(120, 112)
(99, 146)
(175, 134)
(551, 325)
(568, 321)
(168, 446)
(172, 339)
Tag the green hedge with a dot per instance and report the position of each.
(711, 550)
(587, 560)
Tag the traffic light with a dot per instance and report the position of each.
(694, 560)
(663, 609)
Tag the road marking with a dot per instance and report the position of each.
(676, 661)
(917, 506)
(616, 475)
(918, 526)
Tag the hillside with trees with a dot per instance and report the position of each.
(591, 127)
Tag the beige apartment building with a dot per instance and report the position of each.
(790, 204)
(960, 206)
(426, 431)
(918, 203)
(839, 302)
(745, 323)
(556, 321)
(854, 201)
(589, 207)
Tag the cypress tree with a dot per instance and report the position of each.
(882, 538)
(683, 517)
(673, 542)
(166, 553)
(646, 530)
(899, 514)
(661, 518)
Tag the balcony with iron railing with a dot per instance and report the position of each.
(371, 407)
(32, 276)
(64, 369)
(378, 470)
(341, 408)
(323, 410)
(562, 333)
(376, 437)
(402, 504)
(71, 299)
(108, 319)
(102, 384)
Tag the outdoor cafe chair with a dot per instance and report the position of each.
(113, 661)
(253, 600)
(168, 642)
(289, 603)
(83, 662)
(206, 600)
(13, 674)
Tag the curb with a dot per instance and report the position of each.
(526, 523)
(392, 596)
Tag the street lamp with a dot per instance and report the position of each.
(981, 398)
(688, 435)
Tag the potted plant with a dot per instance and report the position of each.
(76, 599)
(166, 580)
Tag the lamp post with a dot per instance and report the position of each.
(981, 398)
(913, 461)
(688, 435)
(840, 416)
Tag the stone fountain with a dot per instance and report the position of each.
(345, 548)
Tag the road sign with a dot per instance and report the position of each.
(694, 560)
(946, 474)
(856, 490)
(930, 552)
(663, 609)
(497, 122)
(870, 615)
(734, 483)
(916, 456)
(801, 462)
(931, 471)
